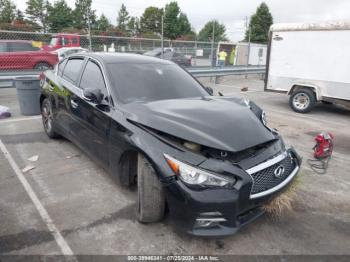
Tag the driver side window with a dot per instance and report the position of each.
(93, 78)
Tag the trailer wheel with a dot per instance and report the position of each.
(303, 100)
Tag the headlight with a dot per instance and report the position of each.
(198, 177)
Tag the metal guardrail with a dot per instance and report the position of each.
(229, 70)
(7, 78)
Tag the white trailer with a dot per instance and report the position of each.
(310, 62)
(257, 54)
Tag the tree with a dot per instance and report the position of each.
(59, 16)
(259, 25)
(171, 13)
(206, 34)
(123, 18)
(175, 22)
(133, 26)
(103, 23)
(19, 16)
(151, 20)
(37, 11)
(184, 26)
(83, 14)
(7, 11)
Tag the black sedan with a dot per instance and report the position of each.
(210, 161)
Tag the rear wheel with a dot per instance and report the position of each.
(42, 66)
(47, 118)
(302, 101)
(150, 193)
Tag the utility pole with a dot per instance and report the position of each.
(89, 28)
(248, 52)
(195, 51)
(212, 44)
(249, 33)
(162, 39)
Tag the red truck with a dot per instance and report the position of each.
(19, 54)
(63, 40)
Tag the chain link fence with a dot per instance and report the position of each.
(25, 51)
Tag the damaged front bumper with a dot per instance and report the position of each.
(221, 211)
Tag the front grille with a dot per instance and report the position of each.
(266, 179)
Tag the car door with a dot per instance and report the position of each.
(4, 55)
(66, 92)
(94, 119)
(21, 54)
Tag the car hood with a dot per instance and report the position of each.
(224, 123)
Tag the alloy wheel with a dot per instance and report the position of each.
(47, 117)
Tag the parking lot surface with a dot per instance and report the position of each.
(93, 215)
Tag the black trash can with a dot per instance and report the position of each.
(28, 92)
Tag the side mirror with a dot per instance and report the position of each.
(209, 90)
(93, 95)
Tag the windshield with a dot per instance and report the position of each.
(54, 41)
(152, 82)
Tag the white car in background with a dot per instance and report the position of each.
(66, 51)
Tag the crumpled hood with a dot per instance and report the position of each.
(224, 123)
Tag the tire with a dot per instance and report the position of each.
(150, 193)
(47, 118)
(303, 100)
(43, 66)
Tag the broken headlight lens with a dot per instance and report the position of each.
(198, 177)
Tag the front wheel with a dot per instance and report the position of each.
(302, 101)
(47, 118)
(150, 193)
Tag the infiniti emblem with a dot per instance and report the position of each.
(279, 171)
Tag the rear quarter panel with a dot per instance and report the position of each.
(40, 56)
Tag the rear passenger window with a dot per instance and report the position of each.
(18, 47)
(72, 69)
(93, 78)
(61, 67)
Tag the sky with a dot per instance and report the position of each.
(232, 13)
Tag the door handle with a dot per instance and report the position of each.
(73, 103)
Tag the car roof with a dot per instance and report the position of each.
(123, 58)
